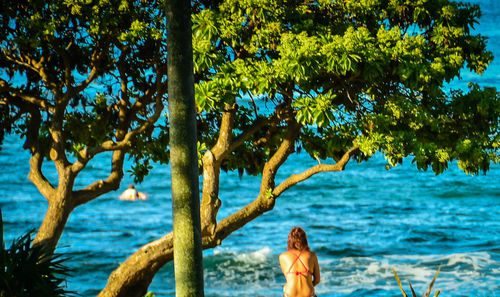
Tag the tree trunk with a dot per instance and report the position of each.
(53, 223)
(134, 276)
(212, 160)
(59, 200)
(188, 259)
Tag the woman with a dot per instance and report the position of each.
(299, 265)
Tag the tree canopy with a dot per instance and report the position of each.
(80, 78)
(338, 80)
(371, 74)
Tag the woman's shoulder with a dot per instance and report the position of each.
(285, 257)
(310, 254)
(295, 253)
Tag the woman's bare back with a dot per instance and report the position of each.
(301, 271)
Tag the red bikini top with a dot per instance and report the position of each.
(299, 272)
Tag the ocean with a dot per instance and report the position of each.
(361, 222)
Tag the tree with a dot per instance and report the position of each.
(188, 257)
(81, 78)
(336, 79)
(339, 80)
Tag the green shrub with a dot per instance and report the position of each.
(30, 271)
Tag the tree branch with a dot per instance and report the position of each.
(221, 147)
(98, 188)
(212, 159)
(29, 64)
(86, 154)
(36, 66)
(211, 165)
(257, 125)
(296, 178)
(37, 178)
(263, 202)
(97, 57)
(67, 68)
(132, 277)
(33, 99)
(286, 148)
(35, 174)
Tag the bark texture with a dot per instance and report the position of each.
(134, 276)
(188, 258)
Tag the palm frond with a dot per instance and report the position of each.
(426, 293)
(31, 271)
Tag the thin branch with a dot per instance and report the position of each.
(84, 84)
(253, 104)
(33, 99)
(36, 66)
(296, 178)
(67, 67)
(96, 59)
(88, 153)
(256, 126)
(27, 64)
(269, 134)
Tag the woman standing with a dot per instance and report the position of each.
(299, 265)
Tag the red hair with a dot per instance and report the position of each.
(297, 239)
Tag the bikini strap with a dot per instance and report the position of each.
(304, 265)
(298, 258)
(307, 269)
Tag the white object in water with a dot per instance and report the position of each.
(132, 194)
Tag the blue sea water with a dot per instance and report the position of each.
(361, 222)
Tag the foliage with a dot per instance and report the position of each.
(30, 271)
(370, 74)
(92, 70)
(329, 78)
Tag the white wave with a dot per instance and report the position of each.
(258, 256)
(459, 270)
(477, 260)
(249, 257)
